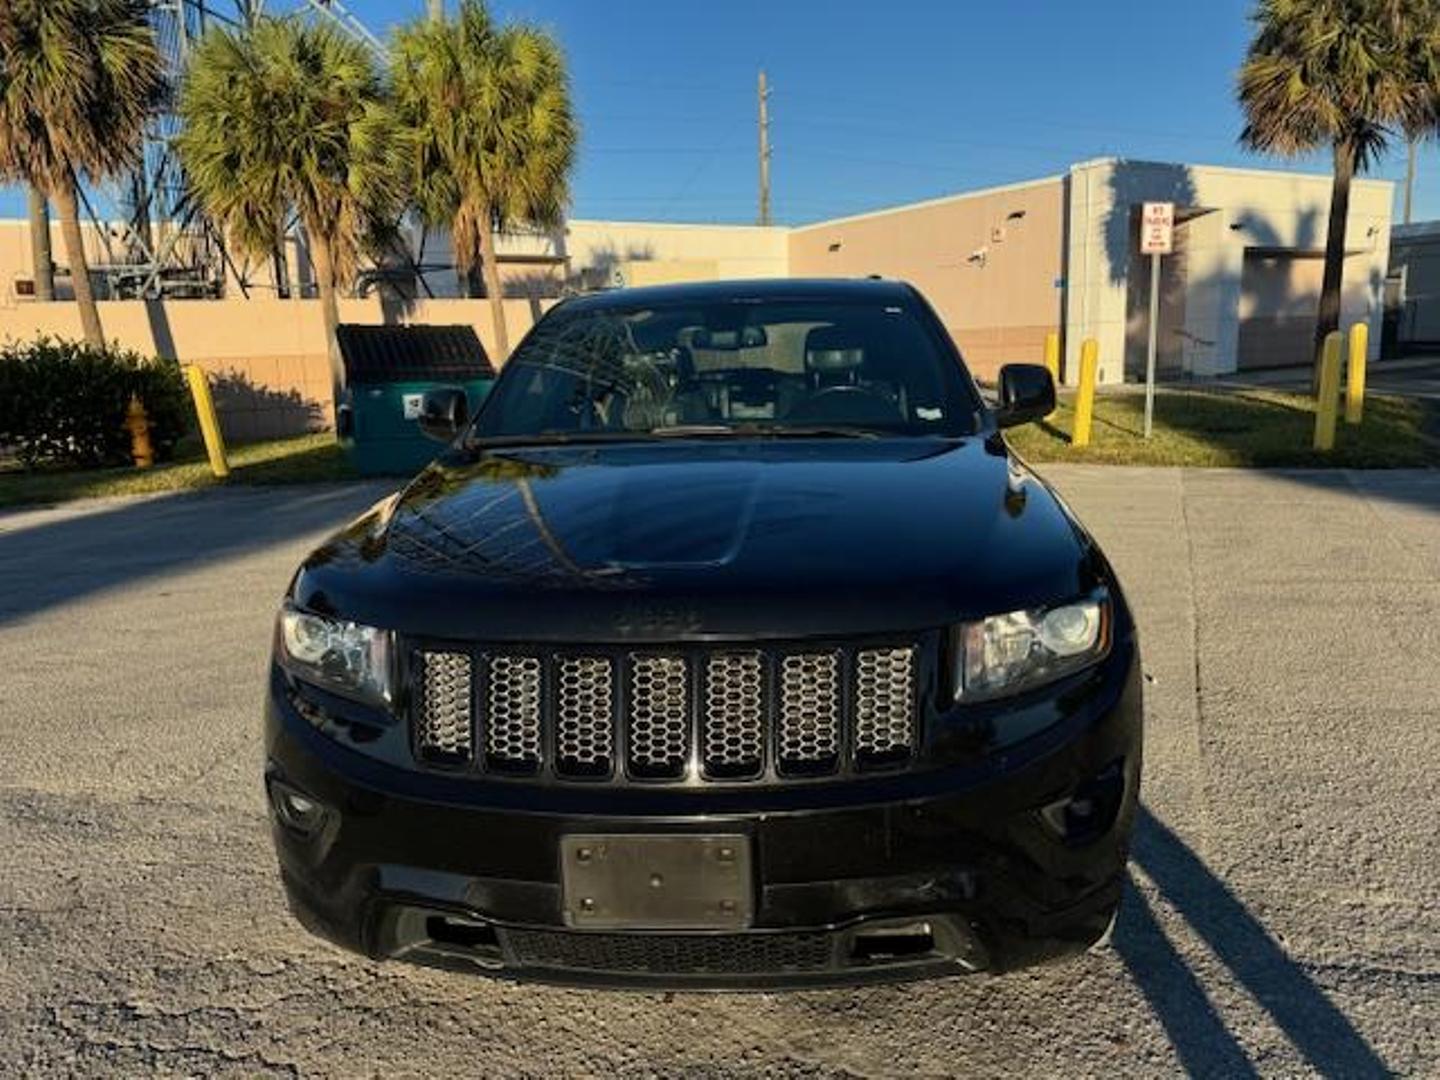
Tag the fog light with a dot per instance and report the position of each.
(296, 810)
(1091, 810)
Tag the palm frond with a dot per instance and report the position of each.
(492, 121)
(1322, 72)
(78, 80)
(291, 116)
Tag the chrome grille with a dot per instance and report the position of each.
(442, 729)
(659, 731)
(884, 705)
(512, 717)
(809, 737)
(584, 715)
(734, 732)
(740, 714)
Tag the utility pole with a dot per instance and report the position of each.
(1409, 180)
(764, 151)
(436, 10)
(42, 266)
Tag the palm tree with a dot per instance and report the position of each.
(494, 128)
(287, 116)
(78, 79)
(1342, 74)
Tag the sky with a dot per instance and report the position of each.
(874, 104)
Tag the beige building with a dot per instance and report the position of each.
(1006, 265)
(991, 262)
(1003, 266)
(1415, 284)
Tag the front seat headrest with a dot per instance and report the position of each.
(831, 350)
(684, 364)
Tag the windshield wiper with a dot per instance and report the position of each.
(672, 431)
(552, 438)
(766, 431)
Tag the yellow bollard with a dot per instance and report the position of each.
(209, 422)
(1052, 359)
(1328, 403)
(138, 424)
(1085, 395)
(1355, 373)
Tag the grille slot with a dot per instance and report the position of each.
(809, 735)
(734, 735)
(584, 715)
(671, 954)
(884, 704)
(512, 715)
(659, 714)
(442, 729)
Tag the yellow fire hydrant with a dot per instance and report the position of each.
(138, 424)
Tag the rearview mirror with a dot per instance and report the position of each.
(443, 413)
(1027, 392)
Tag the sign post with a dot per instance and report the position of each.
(1157, 232)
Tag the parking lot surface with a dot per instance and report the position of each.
(1285, 910)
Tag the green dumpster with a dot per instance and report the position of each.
(387, 370)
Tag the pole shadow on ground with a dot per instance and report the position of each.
(1205, 1046)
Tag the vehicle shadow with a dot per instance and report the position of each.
(1206, 1047)
(47, 560)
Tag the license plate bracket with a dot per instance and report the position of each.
(657, 881)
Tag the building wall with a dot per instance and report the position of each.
(15, 257)
(734, 251)
(1235, 211)
(590, 254)
(1003, 266)
(988, 261)
(1415, 253)
(265, 358)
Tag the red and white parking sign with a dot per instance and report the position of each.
(1157, 228)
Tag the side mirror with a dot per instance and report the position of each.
(1027, 392)
(443, 413)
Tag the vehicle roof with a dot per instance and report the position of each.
(710, 292)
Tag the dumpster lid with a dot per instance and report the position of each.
(379, 354)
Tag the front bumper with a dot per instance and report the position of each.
(928, 873)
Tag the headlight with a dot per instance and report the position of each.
(1006, 654)
(343, 657)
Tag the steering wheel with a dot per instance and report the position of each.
(845, 405)
(754, 383)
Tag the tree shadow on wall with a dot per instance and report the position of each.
(249, 410)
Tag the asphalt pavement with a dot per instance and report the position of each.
(1285, 910)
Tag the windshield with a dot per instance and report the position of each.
(736, 367)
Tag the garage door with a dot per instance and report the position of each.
(1279, 297)
(1422, 299)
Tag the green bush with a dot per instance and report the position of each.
(65, 401)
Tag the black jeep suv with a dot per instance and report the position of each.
(729, 645)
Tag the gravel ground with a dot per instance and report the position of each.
(1284, 919)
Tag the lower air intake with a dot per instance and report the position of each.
(671, 954)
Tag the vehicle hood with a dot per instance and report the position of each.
(705, 539)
